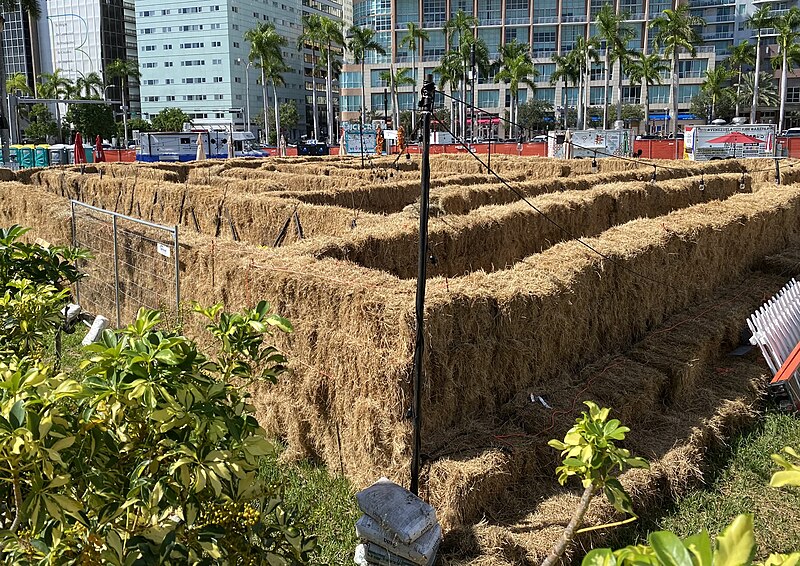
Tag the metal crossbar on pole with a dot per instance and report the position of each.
(135, 263)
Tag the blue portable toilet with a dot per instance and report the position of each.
(25, 157)
(13, 153)
(41, 155)
(88, 149)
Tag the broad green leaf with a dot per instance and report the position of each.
(279, 322)
(785, 477)
(669, 549)
(700, 546)
(17, 414)
(736, 545)
(599, 557)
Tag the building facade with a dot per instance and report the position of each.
(193, 56)
(550, 27)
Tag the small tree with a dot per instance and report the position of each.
(533, 114)
(591, 455)
(42, 125)
(170, 120)
(92, 120)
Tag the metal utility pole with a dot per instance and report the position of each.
(474, 96)
(426, 105)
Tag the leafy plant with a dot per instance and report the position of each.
(151, 458)
(790, 475)
(53, 265)
(590, 453)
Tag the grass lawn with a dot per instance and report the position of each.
(739, 483)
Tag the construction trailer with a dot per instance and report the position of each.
(182, 146)
(578, 144)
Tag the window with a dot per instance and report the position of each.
(546, 70)
(216, 26)
(217, 79)
(169, 81)
(375, 78)
(489, 12)
(165, 12)
(192, 28)
(631, 94)
(216, 44)
(546, 94)
(219, 97)
(194, 45)
(237, 79)
(216, 61)
(517, 12)
(351, 103)
(149, 65)
(168, 63)
(166, 30)
(236, 44)
(658, 94)
(147, 31)
(193, 10)
(150, 82)
(193, 80)
(596, 95)
(235, 9)
(147, 13)
(793, 94)
(350, 79)
(235, 27)
(687, 92)
(489, 98)
(167, 46)
(193, 63)
(151, 99)
(214, 9)
(148, 48)
(378, 100)
(170, 98)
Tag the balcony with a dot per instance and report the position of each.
(708, 3)
(545, 19)
(716, 36)
(490, 22)
(691, 74)
(543, 53)
(721, 18)
(570, 19)
(636, 17)
(518, 21)
(706, 48)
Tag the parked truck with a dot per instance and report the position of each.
(706, 143)
(577, 144)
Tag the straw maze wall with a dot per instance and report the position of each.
(523, 306)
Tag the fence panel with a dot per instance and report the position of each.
(135, 263)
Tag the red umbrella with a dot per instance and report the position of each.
(736, 137)
(99, 154)
(80, 153)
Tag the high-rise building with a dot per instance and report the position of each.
(194, 57)
(549, 26)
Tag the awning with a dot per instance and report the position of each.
(484, 121)
(684, 116)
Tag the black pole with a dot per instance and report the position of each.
(385, 106)
(474, 96)
(426, 105)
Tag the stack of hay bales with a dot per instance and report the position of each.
(397, 527)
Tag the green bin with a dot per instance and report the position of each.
(41, 156)
(89, 151)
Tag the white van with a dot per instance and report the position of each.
(792, 133)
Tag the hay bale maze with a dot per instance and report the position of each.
(604, 286)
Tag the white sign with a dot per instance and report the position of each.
(164, 249)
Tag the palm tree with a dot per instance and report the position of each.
(32, 7)
(274, 74)
(789, 51)
(758, 20)
(767, 90)
(458, 31)
(330, 35)
(611, 30)
(585, 53)
(516, 67)
(18, 83)
(123, 69)
(715, 85)
(414, 35)
(742, 55)
(362, 41)
(450, 71)
(397, 80)
(89, 86)
(646, 71)
(568, 72)
(312, 35)
(55, 85)
(675, 33)
(265, 49)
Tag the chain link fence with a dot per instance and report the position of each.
(135, 263)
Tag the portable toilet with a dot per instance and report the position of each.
(41, 155)
(13, 153)
(58, 154)
(25, 157)
(88, 149)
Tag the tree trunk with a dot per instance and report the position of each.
(784, 78)
(363, 97)
(579, 102)
(332, 137)
(277, 114)
(265, 99)
(606, 62)
(674, 95)
(755, 79)
(618, 78)
(569, 532)
(314, 94)
(587, 93)
(738, 91)
(416, 82)
(646, 99)
(6, 152)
